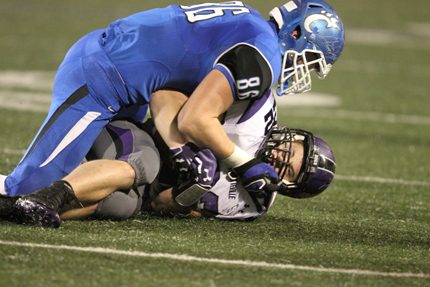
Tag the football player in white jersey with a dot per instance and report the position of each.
(305, 163)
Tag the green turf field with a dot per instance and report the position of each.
(371, 228)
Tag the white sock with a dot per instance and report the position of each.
(2, 187)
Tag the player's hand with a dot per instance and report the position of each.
(197, 164)
(182, 157)
(205, 167)
(257, 177)
(198, 173)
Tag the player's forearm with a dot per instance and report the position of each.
(78, 213)
(198, 120)
(208, 132)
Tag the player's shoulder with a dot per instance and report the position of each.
(252, 61)
(251, 71)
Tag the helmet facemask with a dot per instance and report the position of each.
(276, 150)
(297, 68)
(318, 165)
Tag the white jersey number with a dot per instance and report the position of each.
(206, 11)
(244, 85)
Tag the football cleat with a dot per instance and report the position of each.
(30, 212)
(42, 207)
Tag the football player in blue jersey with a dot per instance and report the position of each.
(218, 53)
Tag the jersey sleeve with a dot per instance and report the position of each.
(247, 70)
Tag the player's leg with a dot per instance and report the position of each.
(95, 180)
(134, 146)
(2, 187)
(59, 147)
(78, 213)
(120, 205)
(69, 88)
(75, 118)
(99, 180)
(125, 141)
(86, 185)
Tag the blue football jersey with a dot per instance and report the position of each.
(177, 46)
(111, 73)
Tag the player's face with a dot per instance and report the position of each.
(294, 160)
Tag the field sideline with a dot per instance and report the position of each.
(371, 228)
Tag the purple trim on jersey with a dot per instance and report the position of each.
(210, 202)
(254, 106)
(227, 73)
(125, 139)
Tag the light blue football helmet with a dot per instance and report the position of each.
(311, 38)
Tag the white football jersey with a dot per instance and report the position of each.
(246, 123)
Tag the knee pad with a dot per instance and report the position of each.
(146, 164)
(120, 205)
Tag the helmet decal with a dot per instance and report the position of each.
(332, 22)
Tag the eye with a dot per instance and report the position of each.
(297, 32)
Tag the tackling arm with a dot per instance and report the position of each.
(198, 120)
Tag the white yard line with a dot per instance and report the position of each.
(11, 151)
(387, 38)
(381, 180)
(420, 29)
(188, 258)
(38, 80)
(361, 116)
(309, 100)
(25, 101)
(390, 68)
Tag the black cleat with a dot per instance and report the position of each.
(30, 212)
(42, 208)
